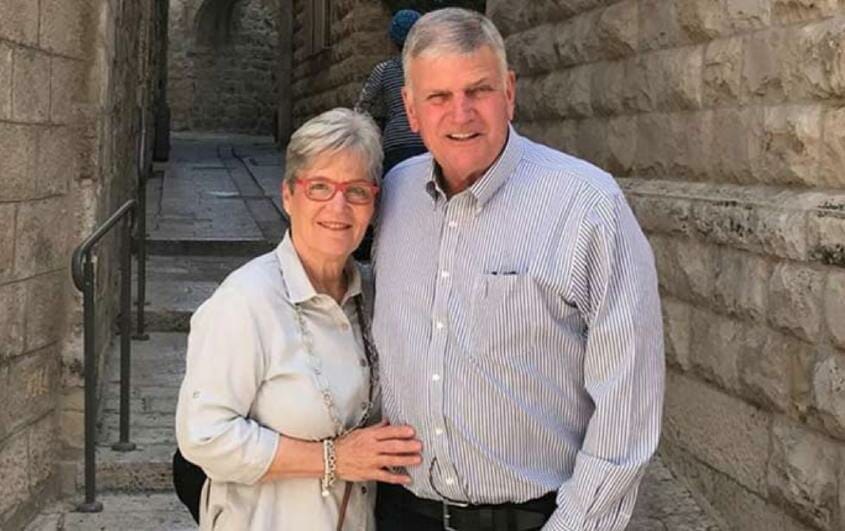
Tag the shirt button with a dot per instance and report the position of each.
(344, 326)
(453, 224)
(363, 489)
(444, 274)
(440, 325)
(196, 394)
(450, 481)
(438, 431)
(363, 362)
(435, 377)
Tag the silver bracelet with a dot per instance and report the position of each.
(329, 467)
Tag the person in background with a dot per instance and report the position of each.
(381, 97)
(279, 398)
(517, 315)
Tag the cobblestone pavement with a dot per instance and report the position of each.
(196, 241)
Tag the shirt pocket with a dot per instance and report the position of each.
(515, 320)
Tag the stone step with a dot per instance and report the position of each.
(177, 285)
(208, 247)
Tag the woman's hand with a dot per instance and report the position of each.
(368, 454)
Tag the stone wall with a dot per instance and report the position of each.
(222, 71)
(723, 121)
(333, 77)
(71, 77)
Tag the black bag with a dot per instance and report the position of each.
(188, 480)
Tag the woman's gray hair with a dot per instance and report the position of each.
(333, 131)
(452, 30)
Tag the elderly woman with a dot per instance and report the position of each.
(277, 401)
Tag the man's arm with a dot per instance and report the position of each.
(623, 373)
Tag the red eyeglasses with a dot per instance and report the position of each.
(355, 192)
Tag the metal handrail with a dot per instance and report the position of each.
(82, 269)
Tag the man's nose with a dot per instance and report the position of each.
(462, 108)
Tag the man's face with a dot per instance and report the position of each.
(461, 105)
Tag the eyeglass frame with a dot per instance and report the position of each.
(338, 187)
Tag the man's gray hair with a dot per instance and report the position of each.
(452, 30)
(333, 131)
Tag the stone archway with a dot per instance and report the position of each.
(223, 67)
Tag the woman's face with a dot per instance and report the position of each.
(328, 230)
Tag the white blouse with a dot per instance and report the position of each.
(250, 377)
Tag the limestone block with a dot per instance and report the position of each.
(63, 25)
(783, 232)
(44, 306)
(741, 283)
(717, 344)
(532, 103)
(607, 88)
(43, 450)
(776, 372)
(677, 327)
(721, 431)
(591, 141)
(5, 81)
(833, 148)
(792, 144)
(12, 315)
(691, 135)
(747, 15)
(701, 20)
(792, 11)
(621, 144)
(676, 76)
(829, 392)
(735, 143)
(795, 293)
(722, 76)
(617, 28)
(569, 92)
(827, 232)
(817, 60)
(67, 88)
(658, 22)
(58, 160)
(33, 381)
(512, 17)
(638, 96)
(666, 215)
(532, 51)
(19, 23)
(664, 260)
(655, 148)
(14, 462)
(41, 237)
(697, 263)
(763, 68)
(803, 472)
(72, 428)
(834, 307)
(17, 165)
(7, 240)
(740, 509)
(576, 41)
(31, 86)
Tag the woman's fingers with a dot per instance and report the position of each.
(400, 460)
(384, 432)
(400, 446)
(386, 476)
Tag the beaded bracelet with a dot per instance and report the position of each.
(329, 467)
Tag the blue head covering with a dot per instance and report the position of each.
(401, 24)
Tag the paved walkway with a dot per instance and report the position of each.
(214, 209)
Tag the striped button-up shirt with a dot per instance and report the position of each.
(519, 329)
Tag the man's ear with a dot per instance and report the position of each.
(286, 197)
(408, 99)
(510, 92)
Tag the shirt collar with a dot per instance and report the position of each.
(493, 179)
(296, 279)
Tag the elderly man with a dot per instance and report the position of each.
(517, 314)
